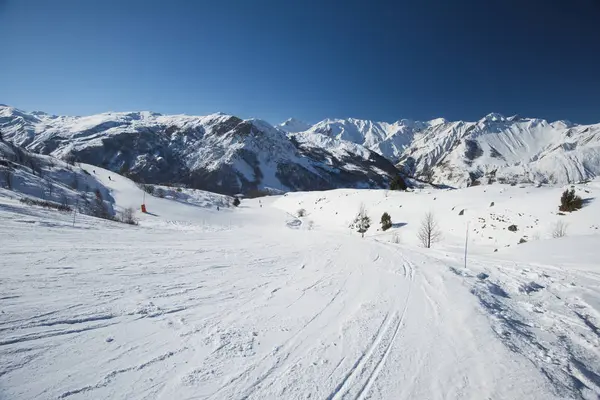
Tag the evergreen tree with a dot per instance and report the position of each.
(398, 183)
(386, 221)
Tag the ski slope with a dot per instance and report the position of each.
(252, 302)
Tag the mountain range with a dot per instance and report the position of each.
(495, 148)
(227, 154)
(220, 153)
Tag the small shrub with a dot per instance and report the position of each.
(492, 204)
(569, 201)
(236, 201)
(179, 190)
(149, 189)
(512, 228)
(301, 212)
(386, 221)
(522, 241)
(128, 216)
(462, 212)
(398, 183)
(559, 230)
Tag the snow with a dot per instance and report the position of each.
(253, 302)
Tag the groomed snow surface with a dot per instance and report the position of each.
(252, 302)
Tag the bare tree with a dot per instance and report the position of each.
(429, 232)
(559, 230)
(8, 179)
(49, 187)
(75, 182)
(128, 216)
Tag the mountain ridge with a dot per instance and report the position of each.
(462, 153)
(217, 152)
(224, 153)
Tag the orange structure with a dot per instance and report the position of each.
(143, 208)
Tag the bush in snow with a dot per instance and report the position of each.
(569, 201)
(236, 201)
(386, 221)
(429, 232)
(301, 212)
(559, 230)
(149, 189)
(362, 222)
(128, 216)
(398, 183)
(513, 228)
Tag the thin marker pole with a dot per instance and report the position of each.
(466, 243)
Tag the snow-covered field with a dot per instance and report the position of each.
(252, 302)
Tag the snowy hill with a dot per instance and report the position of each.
(53, 183)
(254, 302)
(218, 152)
(495, 148)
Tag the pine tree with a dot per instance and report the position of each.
(362, 222)
(386, 221)
(569, 201)
(398, 183)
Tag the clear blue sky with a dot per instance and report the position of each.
(416, 59)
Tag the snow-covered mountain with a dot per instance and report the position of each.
(218, 152)
(293, 125)
(462, 153)
(226, 154)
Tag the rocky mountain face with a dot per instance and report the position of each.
(492, 149)
(220, 153)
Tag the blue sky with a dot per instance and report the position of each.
(306, 59)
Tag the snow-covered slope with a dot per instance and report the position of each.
(46, 180)
(495, 148)
(218, 152)
(252, 302)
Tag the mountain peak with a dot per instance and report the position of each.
(493, 117)
(293, 125)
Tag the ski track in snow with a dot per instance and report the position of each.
(265, 310)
